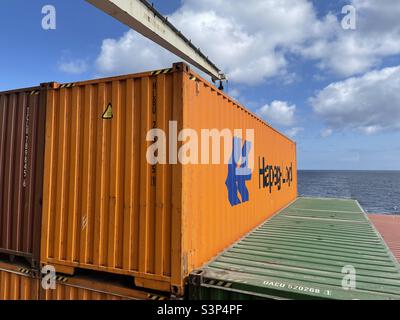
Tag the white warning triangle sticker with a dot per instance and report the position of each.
(108, 114)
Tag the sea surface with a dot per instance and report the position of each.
(377, 191)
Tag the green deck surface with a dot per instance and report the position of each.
(300, 254)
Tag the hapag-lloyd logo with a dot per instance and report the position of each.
(236, 152)
(239, 172)
(238, 156)
(270, 176)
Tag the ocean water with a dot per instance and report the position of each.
(377, 191)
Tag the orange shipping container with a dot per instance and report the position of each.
(17, 282)
(95, 288)
(107, 208)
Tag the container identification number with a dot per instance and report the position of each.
(294, 287)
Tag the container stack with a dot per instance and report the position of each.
(80, 196)
(18, 281)
(21, 167)
(100, 287)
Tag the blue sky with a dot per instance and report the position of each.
(333, 90)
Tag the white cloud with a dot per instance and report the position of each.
(278, 113)
(247, 39)
(132, 53)
(370, 130)
(293, 132)
(73, 66)
(370, 103)
(234, 92)
(326, 133)
(353, 52)
(250, 40)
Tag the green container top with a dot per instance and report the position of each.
(313, 249)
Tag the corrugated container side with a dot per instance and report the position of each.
(389, 227)
(87, 288)
(304, 252)
(67, 293)
(211, 222)
(101, 210)
(106, 208)
(21, 169)
(17, 283)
